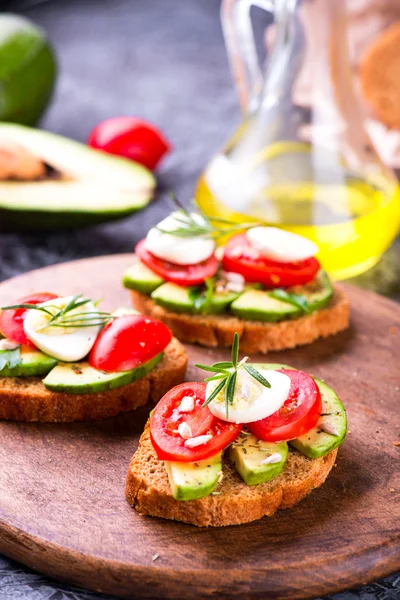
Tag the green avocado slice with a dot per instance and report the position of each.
(33, 364)
(142, 279)
(81, 378)
(86, 186)
(248, 455)
(319, 441)
(190, 481)
(178, 299)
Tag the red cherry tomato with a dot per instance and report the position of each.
(241, 257)
(128, 342)
(131, 138)
(12, 321)
(166, 418)
(181, 274)
(299, 414)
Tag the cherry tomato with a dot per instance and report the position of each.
(299, 414)
(166, 418)
(131, 138)
(241, 257)
(12, 321)
(128, 342)
(181, 274)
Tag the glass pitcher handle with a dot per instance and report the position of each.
(241, 47)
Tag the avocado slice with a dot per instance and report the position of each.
(318, 292)
(318, 442)
(248, 453)
(82, 186)
(177, 299)
(142, 279)
(81, 378)
(190, 481)
(33, 364)
(257, 305)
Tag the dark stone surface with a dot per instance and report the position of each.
(163, 60)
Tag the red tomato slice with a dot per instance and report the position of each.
(181, 274)
(12, 321)
(241, 257)
(131, 138)
(166, 418)
(299, 414)
(128, 342)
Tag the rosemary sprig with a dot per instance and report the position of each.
(198, 224)
(298, 300)
(227, 372)
(67, 317)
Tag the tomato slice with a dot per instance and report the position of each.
(128, 342)
(166, 418)
(241, 257)
(299, 414)
(184, 275)
(12, 321)
(131, 138)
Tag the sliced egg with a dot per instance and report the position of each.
(64, 343)
(177, 249)
(280, 245)
(252, 401)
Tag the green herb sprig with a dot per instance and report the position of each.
(227, 372)
(63, 317)
(298, 300)
(201, 295)
(10, 358)
(201, 225)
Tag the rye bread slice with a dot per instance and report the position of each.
(255, 336)
(148, 491)
(26, 398)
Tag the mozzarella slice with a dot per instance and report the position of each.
(252, 401)
(65, 344)
(176, 249)
(280, 245)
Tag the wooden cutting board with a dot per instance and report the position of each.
(62, 505)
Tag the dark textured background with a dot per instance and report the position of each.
(163, 60)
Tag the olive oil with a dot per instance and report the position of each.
(353, 219)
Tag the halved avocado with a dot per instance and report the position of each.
(79, 186)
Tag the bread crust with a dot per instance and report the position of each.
(26, 398)
(255, 336)
(148, 491)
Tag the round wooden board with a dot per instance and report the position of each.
(62, 505)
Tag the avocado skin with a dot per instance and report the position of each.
(191, 481)
(26, 220)
(33, 68)
(104, 383)
(247, 459)
(316, 442)
(33, 364)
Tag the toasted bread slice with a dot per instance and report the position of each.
(148, 490)
(255, 336)
(26, 398)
